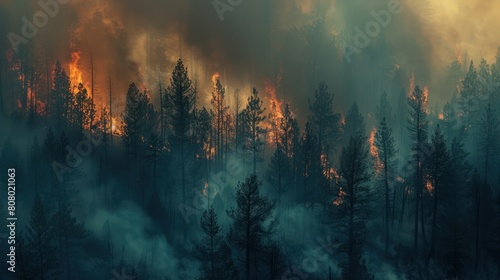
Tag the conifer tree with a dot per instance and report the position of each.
(213, 251)
(68, 230)
(310, 165)
(417, 126)
(61, 99)
(40, 241)
(353, 207)
(254, 127)
(325, 123)
(219, 113)
(437, 163)
(253, 223)
(82, 110)
(354, 124)
(469, 98)
(180, 98)
(489, 142)
(386, 147)
(138, 121)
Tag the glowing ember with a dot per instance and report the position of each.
(377, 164)
(324, 164)
(205, 188)
(209, 150)
(425, 98)
(412, 84)
(39, 106)
(340, 198)
(429, 186)
(329, 172)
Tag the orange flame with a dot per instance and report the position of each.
(115, 127)
(412, 84)
(75, 74)
(209, 150)
(330, 173)
(215, 77)
(377, 164)
(38, 105)
(426, 98)
(429, 186)
(205, 188)
(276, 114)
(340, 198)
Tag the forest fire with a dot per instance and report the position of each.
(329, 172)
(429, 186)
(209, 151)
(36, 105)
(75, 74)
(340, 198)
(301, 141)
(276, 113)
(215, 78)
(412, 84)
(425, 93)
(377, 164)
(115, 127)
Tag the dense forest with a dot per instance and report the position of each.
(319, 168)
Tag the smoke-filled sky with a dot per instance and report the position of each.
(257, 40)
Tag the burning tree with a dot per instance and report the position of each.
(83, 110)
(417, 126)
